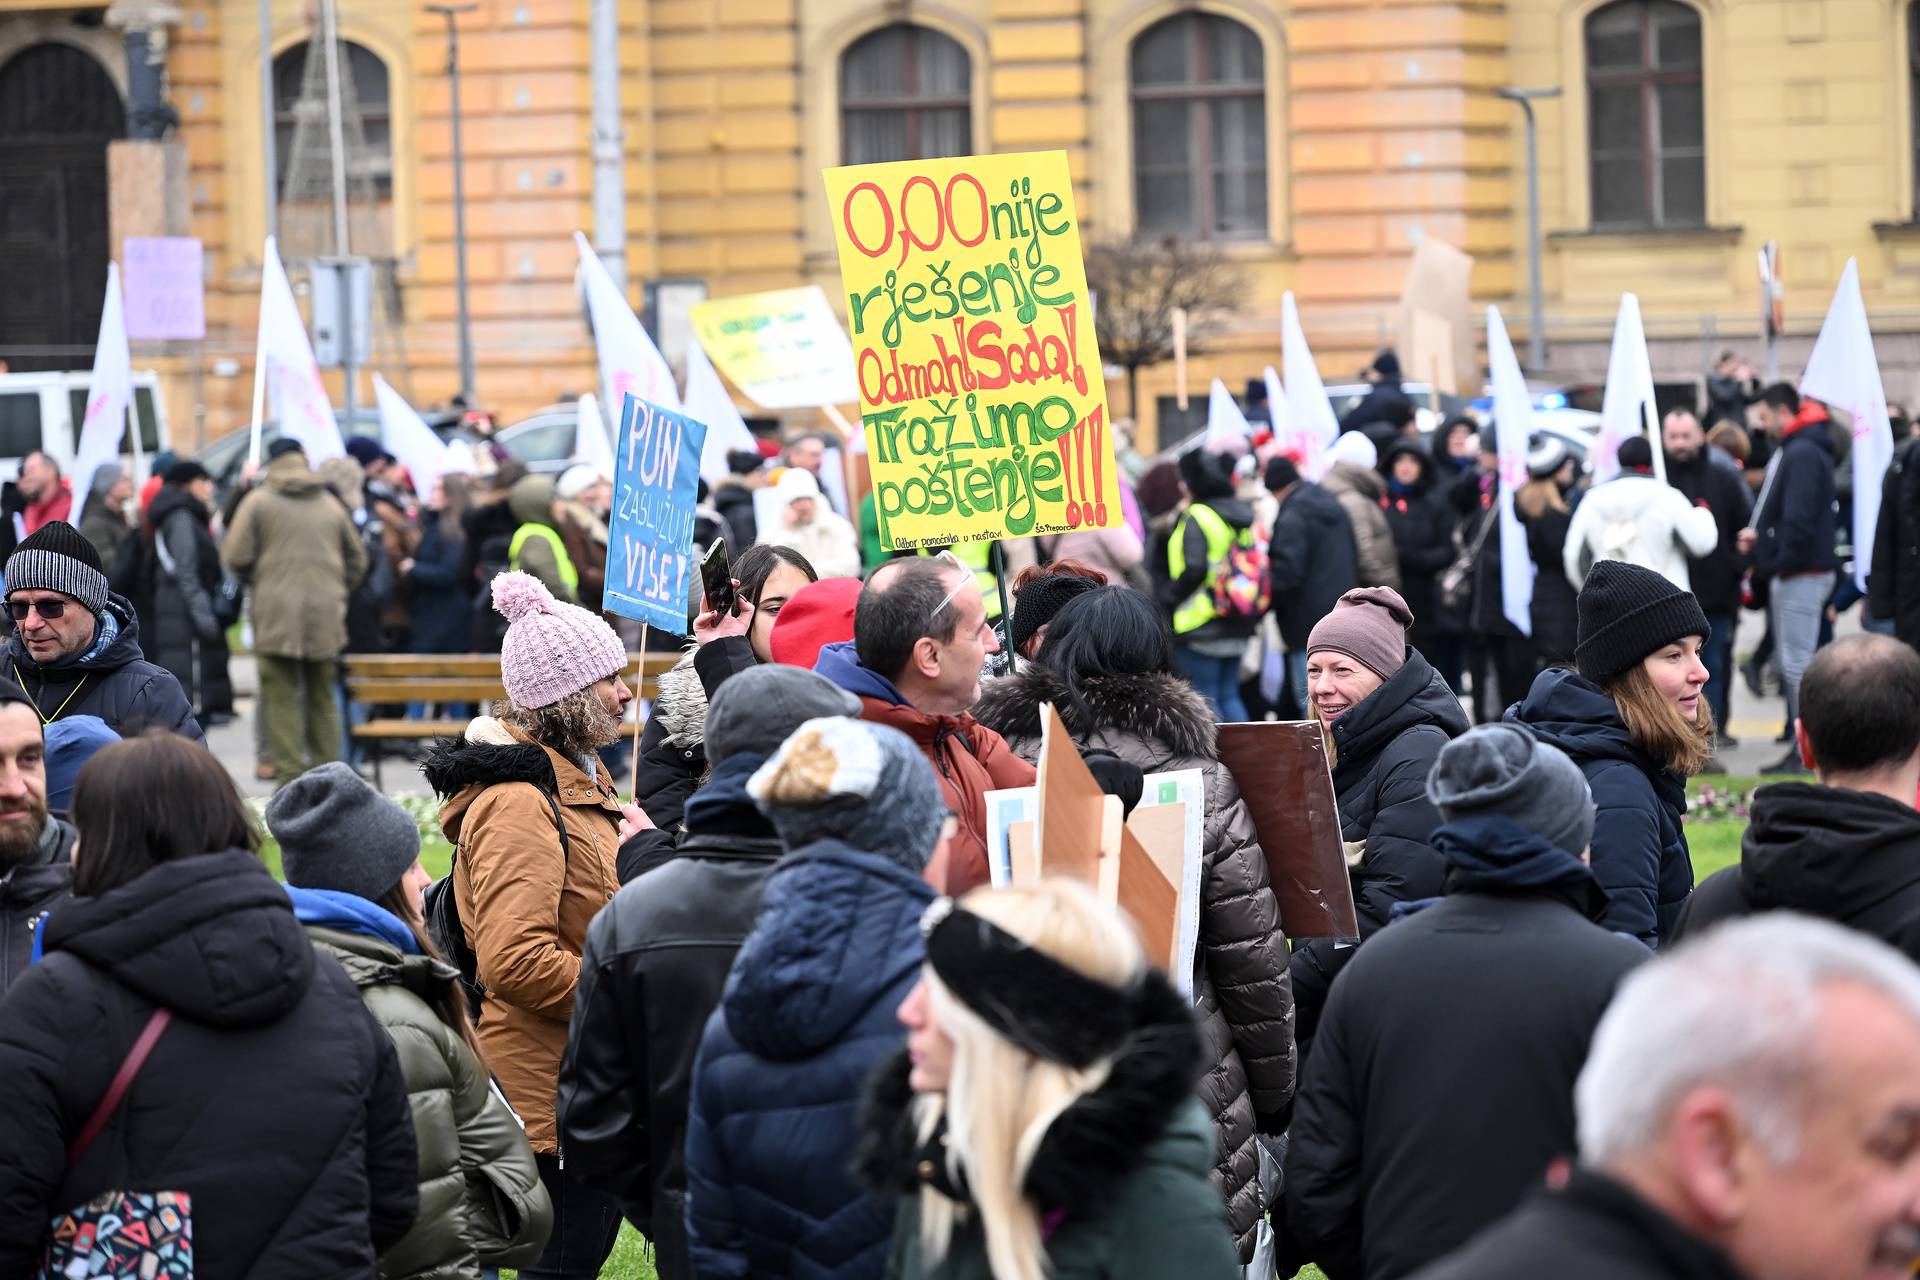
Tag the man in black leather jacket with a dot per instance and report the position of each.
(657, 959)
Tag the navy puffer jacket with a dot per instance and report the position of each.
(111, 680)
(807, 1016)
(1639, 847)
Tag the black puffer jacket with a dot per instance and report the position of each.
(1512, 978)
(1846, 856)
(1639, 847)
(1241, 988)
(35, 885)
(176, 620)
(1312, 560)
(656, 961)
(1476, 496)
(1893, 589)
(1556, 605)
(1385, 745)
(1422, 527)
(115, 683)
(673, 753)
(271, 1098)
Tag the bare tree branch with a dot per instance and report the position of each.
(1141, 281)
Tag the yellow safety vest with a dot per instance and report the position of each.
(568, 574)
(1199, 609)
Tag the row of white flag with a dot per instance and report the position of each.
(288, 387)
(1842, 373)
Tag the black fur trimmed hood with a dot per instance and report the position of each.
(1161, 707)
(454, 764)
(1091, 1147)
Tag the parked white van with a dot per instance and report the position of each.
(44, 411)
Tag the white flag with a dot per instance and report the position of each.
(1311, 426)
(707, 401)
(1628, 399)
(1512, 423)
(1843, 373)
(406, 435)
(629, 362)
(592, 444)
(296, 397)
(1225, 421)
(1276, 402)
(109, 395)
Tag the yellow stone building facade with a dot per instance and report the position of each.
(1316, 140)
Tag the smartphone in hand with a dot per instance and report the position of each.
(716, 579)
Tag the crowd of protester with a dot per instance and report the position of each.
(772, 1010)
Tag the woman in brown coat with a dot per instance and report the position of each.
(1107, 667)
(535, 825)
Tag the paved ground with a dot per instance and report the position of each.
(1755, 722)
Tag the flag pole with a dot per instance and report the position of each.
(640, 723)
(260, 360)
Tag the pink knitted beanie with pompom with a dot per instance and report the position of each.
(552, 649)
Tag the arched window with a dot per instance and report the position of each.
(905, 94)
(1200, 127)
(370, 90)
(1646, 129)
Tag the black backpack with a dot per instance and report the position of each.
(442, 912)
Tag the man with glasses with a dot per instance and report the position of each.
(920, 641)
(75, 647)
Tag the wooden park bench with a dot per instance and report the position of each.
(386, 679)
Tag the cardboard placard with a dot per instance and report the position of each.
(1286, 780)
(981, 394)
(784, 349)
(650, 544)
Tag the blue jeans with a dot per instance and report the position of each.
(1717, 656)
(1216, 679)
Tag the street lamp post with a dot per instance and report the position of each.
(448, 11)
(1536, 322)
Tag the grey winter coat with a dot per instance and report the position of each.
(1242, 992)
(481, 1200)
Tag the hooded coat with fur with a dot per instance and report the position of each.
(525, 901)
(1242, 991)
(1123, 1169)
(1359, 490)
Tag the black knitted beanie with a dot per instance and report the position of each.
(1626, 613)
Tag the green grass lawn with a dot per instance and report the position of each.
(1715, 843)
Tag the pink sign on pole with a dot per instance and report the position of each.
(166, 288)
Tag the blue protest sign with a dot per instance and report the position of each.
(656, 481)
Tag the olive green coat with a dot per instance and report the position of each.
(481, 1201)
(1164, 1221)
(296, 548)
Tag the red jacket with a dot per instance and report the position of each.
(969, 760)
(56, 506)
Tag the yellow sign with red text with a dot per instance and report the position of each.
(980, 388)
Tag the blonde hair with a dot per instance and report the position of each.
(1537, 495)
(1656, 725)
(1001, 1099)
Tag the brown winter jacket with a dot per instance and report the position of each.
(1242, 991)
(297, 550)
(525, 910)
(1359, 491)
